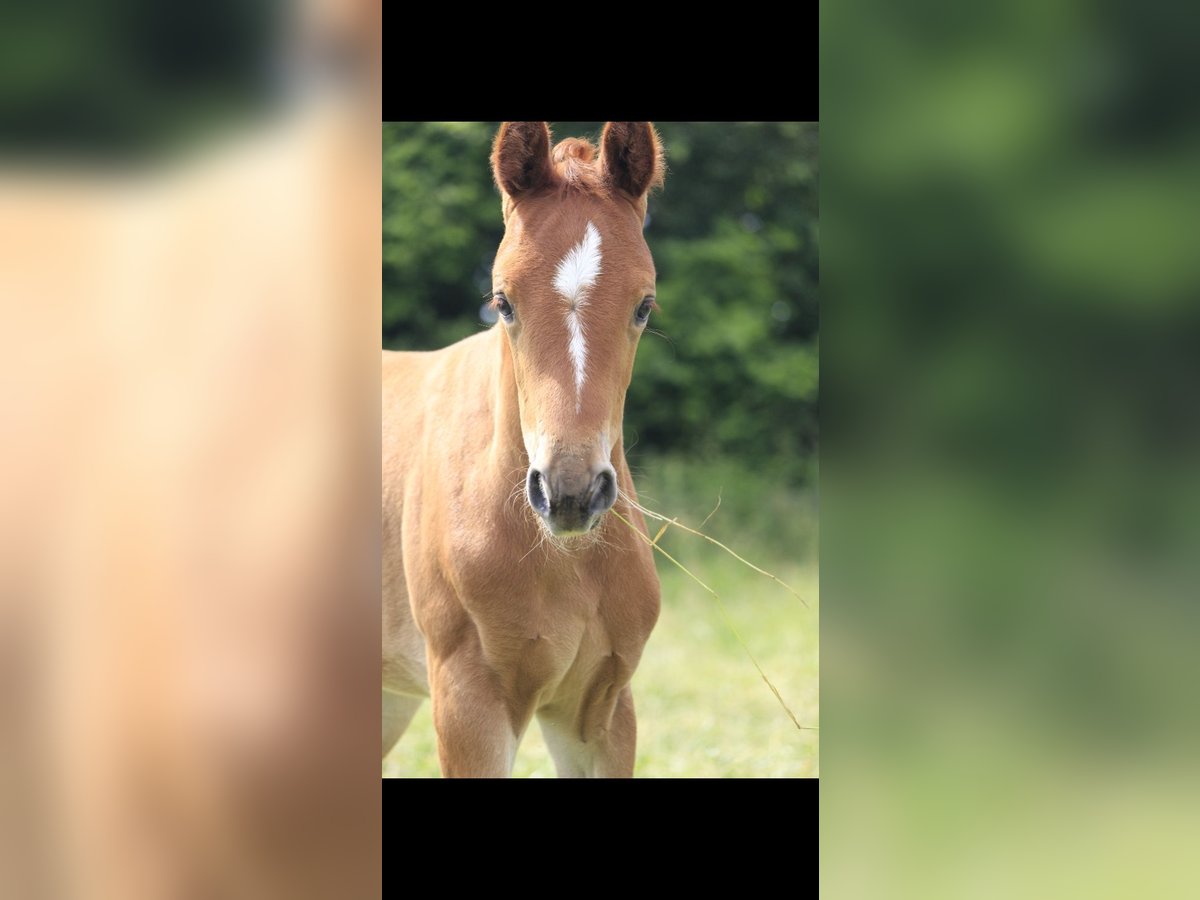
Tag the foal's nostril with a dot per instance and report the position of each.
(534, 485)
(604, 493)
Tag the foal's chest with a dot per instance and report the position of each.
(557, 622)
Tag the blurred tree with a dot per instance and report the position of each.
(128, 80)
(731, 365)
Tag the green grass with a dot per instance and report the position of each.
(703, 710)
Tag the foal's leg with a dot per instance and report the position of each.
(398, 711)
(474, 732)
(607, 752)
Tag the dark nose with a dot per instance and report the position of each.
(571, 504)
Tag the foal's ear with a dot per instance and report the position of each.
(521, 157)
(631, 157)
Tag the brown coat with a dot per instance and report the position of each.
(488, 608)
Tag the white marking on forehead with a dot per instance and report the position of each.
(578, 270)
(577, 273)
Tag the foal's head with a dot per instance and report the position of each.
(573, 284)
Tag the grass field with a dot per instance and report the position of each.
(703, 710)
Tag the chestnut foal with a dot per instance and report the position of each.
(507, 590)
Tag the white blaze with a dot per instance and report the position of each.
(577, 273)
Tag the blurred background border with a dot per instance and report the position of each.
(1010, 284)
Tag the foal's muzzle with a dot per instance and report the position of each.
(571, 503)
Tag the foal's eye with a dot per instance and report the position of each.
(503, 307)
(643, 311)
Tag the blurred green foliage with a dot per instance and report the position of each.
(133, 78)
(730, 367)
(1011, 489)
